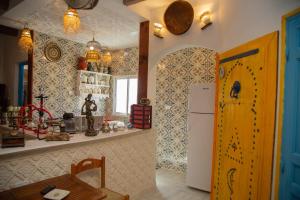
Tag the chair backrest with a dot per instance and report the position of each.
(88, 164)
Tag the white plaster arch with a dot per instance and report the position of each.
(184, 65)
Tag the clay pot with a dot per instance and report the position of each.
(82, 64)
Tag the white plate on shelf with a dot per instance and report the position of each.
(56, 194)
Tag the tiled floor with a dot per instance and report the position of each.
(171, 186)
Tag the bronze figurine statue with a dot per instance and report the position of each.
(90, 106)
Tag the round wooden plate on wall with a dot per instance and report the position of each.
(179, 17)
(52, 52)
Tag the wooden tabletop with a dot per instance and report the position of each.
(79, 190)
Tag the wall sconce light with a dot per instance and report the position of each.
(205, 19)
(158, 30)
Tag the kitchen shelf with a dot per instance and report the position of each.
(90, 72)
(94, 83)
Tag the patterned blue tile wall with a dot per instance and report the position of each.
(175, 73)
(58, 79)
(125, 62)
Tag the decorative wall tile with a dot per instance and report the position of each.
(130, 164)
(58, 79)
(175, 73)
(125, 62)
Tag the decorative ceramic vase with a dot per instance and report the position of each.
(84, 78)
(91, 80)
(94, 67)
(109, 70)
(105, 128)
(89, 67)
(145, 101)
(115, 128)
(105, 70)
(82, 65)
(101, 69)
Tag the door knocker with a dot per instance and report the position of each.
(235, 90)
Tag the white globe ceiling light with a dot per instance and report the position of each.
(93, 50)
(93, 45)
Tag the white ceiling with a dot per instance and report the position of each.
(146, 8)
(114, 24)
(154, 9)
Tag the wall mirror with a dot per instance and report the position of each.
(15, 70)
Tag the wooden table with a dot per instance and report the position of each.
(79, 190)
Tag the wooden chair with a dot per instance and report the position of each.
(91, 163)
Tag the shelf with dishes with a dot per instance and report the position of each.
(94, 83)
(99, 92)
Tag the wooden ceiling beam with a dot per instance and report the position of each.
(4, 5)
(131, 2)
(143, 60)
(9, 31)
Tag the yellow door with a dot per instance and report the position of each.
(244, 126)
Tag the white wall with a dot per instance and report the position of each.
(195, 37)
(12, 56)
(244, 20)
(234, 22)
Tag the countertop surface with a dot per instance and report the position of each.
(35, 144)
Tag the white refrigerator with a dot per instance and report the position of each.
(200, 136)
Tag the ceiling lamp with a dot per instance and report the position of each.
(93, 51)
(106, 56)
(71, 21)
(92, 56)
(25, 40)
(93, 45)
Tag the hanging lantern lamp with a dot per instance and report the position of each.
(93, 49)
(25, 40)
(106, 56)
(71, 21)
(92, 56)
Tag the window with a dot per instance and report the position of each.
(125, 94)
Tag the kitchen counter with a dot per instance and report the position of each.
(130, 160)
(36, 145)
